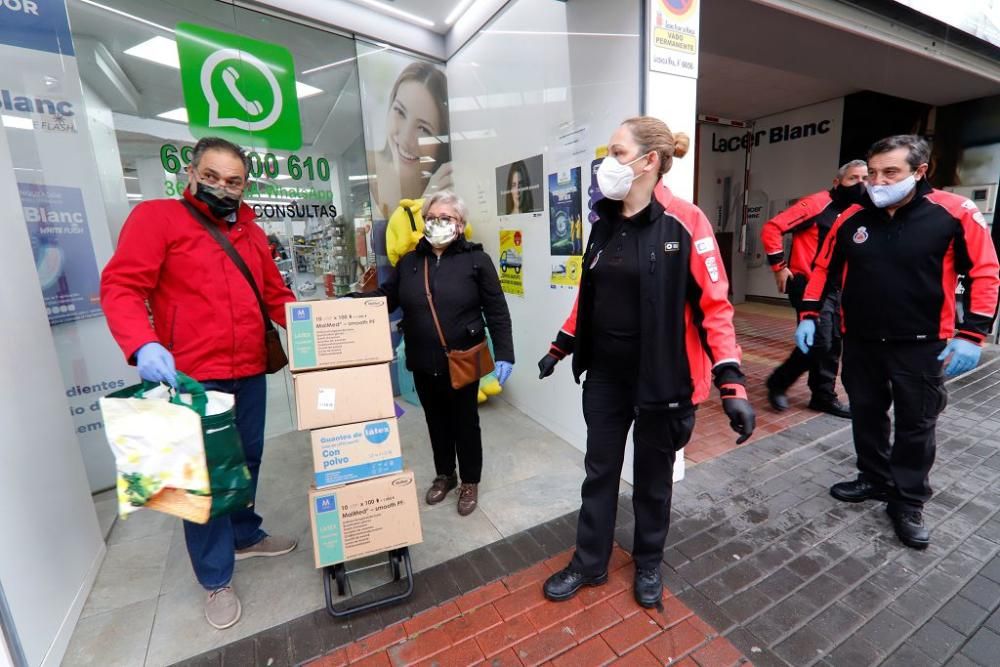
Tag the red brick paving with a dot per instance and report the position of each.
(766, 334)
(472, 630)
(509, 623)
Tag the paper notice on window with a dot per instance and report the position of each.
(327, 400)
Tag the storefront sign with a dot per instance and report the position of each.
(239, 88)
(674, 37)
(511, 261)
(773, 135)
(53, 160)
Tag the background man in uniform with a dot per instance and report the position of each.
(208, 323)
(809, 221)
(897, 258)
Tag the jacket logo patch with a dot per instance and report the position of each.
(704, 245)
(713, 269)
(861, 235)
(671, 246)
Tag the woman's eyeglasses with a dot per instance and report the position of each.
(443, 219)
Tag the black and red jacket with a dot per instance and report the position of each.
(808, 220)
(686, 331)
(899, 273)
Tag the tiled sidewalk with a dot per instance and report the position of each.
(509, 623)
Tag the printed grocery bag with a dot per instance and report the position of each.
(177, 452)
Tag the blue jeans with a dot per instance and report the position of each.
(212, 546)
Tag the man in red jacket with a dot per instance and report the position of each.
(897, 258)
(808, 221)
(206, 322)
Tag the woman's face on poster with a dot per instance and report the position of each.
(413, 117)
(515, 188)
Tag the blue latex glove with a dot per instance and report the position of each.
(805, 334)
(503, 370)
(156, 364)
(964, 356)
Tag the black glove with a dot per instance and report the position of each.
(546, 365)
(742, 417)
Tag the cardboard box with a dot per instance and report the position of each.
(343, 396)
(338, 333)
(363, 519)
(356, 452)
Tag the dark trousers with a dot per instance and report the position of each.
(822, 360)
(453, 424)
(212, 546)
(908, 376)
(609, 409)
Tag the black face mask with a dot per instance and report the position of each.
(220, 203)
(849, 194)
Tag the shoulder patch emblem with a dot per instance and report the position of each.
(713, 269)
(704, 245)
(861, 235)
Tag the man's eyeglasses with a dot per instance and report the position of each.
(233, 185)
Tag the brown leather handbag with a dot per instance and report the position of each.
(464, 366)
(275, 353)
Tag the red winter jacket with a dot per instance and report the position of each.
(203, 309)
(808, 221)
(686, 333)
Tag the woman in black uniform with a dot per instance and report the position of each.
(652, 327)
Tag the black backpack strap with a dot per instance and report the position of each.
(221, 239)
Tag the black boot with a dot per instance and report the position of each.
(564, 584)
(831, 407)
(858, 491)
(648, 587)
(777, 399)
(910, 528)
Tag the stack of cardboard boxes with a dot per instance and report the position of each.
(361, 502)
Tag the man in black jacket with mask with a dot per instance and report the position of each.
(897, 258)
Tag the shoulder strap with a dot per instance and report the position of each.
(413, 223)
(221, 239)
(430, 302)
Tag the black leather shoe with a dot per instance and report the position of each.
(834, 407)
(777, 399)
(648, 587)
(910, 528)
(858, 491)
(564, 584)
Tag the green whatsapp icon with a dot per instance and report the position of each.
(238, 88)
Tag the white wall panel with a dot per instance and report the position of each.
(529, 78)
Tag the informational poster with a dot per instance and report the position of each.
(511, 261)
(674, 35)
(519, 187)
(566, 272)
(64, 253)
(565, 222)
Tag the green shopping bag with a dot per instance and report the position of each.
(177, 452)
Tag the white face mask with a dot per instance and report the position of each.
(888, 195)
(440, 233)
(614, 178)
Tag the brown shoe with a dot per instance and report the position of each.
(440, 487)
(468, 499)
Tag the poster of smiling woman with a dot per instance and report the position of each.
(405, 105)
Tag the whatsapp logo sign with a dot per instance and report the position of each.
(238, 88)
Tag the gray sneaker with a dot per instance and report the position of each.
(223, 608)
(272, 545)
